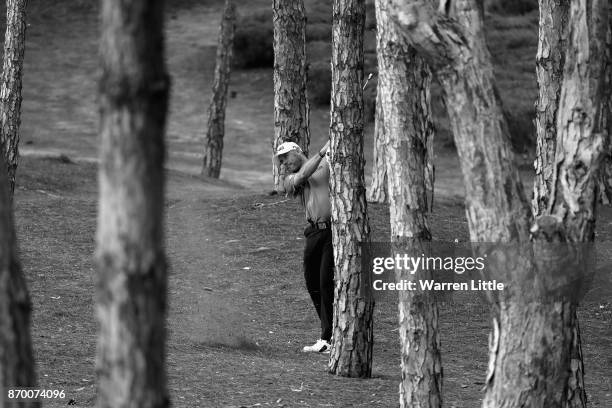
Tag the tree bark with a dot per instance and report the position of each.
(17, 368)
(132, 277)
(605, 179)
(554, 18)
(404, 81)
(377, 193)
(351, 353)
(550, 60)
(213, 154)
(530, 351)
(10, 90)
(581, 146)
(291, 109)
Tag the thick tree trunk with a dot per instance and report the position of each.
(16, 357)
(132, 281)
(10, 90)
(582, 141)
(550, 60)
(351, 353)
(404, 81)
(530, 353)
(216, 112)
(291, 110)
(554, 18)
(377, 193)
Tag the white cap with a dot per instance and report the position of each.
(286, 148)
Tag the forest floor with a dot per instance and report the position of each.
(238, 309)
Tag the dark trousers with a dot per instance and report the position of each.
(319, 275)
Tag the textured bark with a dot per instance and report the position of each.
(554, 15)
(404, 81)
(459, 56)
(530, 351)
(16, 356)
(605, 178)
(10, 90)
(291, 110)
(554, 19)
(132, 277)
(581, 140)
(377, 193)
(213, 154)
(581, 145)
(351, 353)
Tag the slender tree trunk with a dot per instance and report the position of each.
(554, 18)
(291, 110)
(404, 82)
(17, 368)
(605, 179)
(216, 112)
(132, 277)
(377, 193)
(533, 330)
(10, 90)
(16, 357)
(351, 353)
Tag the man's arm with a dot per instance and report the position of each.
(309, 167)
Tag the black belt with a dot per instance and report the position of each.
(321, 225)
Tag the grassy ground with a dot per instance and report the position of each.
(239, 312)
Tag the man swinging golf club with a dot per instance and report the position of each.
(309, 180)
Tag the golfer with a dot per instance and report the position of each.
(309, 180)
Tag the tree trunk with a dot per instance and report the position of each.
(605, 179)
(16, 356)
(377, 193)
(550, 60)
(404, 81)
(554, 18)
(291, 110)
(351, 353)
(132, 277)
(10, 90)
(582, 141)
(216, 112)
(530, 353)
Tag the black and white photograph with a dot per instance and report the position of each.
(306, 203)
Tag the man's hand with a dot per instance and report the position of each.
(324, 149)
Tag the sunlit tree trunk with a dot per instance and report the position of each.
(291, 110)
(605, 180)
(550, 60)
(132, 278)
(213, 154)
(581, 145)
(377, 193)
(17, 368)
(351, 353)
(530, 349)
(554, 17)
(10, 89)
(404, 81)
